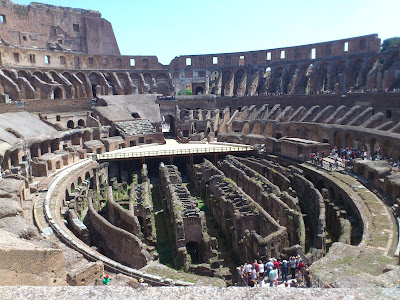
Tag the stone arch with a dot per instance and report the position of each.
(124, 81)
(81, 123)
(339, 73)
(227, 76)
(305, 132)
(70, 124)
(314, 134)
(199, 90)
(87, 85)
(87, 136)
(275, 85)
(257, 128)
(40, 75)
(387, 149)
(163, 89)
(361, 143)
(168, 124)
(239, 74)
(338, 139)
(8, 73)
(354, 78)
(349, 140)
(162, 78)
(246, 128)
(293, 131)
(58, 93)
(137, 82)
(290, 79)
(268, 130)
(108, 78)
(94, 79)
(23, 73)
(9, 86)
(323, 77)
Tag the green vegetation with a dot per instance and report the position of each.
(230, 181)
(188, 92)
(394, 41)
(200, 202)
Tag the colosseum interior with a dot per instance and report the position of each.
(107, 169)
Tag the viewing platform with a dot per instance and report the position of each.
(173, 148)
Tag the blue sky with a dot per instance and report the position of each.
(181, 27)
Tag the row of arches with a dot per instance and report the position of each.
(27, 84)
(337, 76)
(341, 138)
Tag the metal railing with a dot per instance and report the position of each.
(174, 152)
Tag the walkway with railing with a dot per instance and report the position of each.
(181, 149)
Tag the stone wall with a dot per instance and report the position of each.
(23, 263)
(267, 195)
(116, 243)
(250, 229)
(311, 202)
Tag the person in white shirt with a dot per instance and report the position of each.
(261, 269)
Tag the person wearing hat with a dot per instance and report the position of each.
(292, 266)
(284, 270)
(106, 279)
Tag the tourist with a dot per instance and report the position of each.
(271, 276)
(106, 279)
(300, 264)
(277, 265)
(269, 265)
(261, 269)
(307, 278)
(284, 270)
(256, 267)
(299, 277)
(292, 265)
(247, 267)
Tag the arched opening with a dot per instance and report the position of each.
(58, 94)
(95, 81)
(199, 90)
(168, 125)
(79, 181)
(70, 124)
(87, 176)
(349, 140)
(337, 137)
(163, 89)
(193, 250)
(81, 123)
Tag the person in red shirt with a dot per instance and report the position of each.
(277, 265)
(256, 267)
(300, 265)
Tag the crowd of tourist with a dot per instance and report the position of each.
(290, 273)
(337, 157)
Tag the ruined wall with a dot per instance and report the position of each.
(45, 267)
(250, 229)
(117, 243)
(60, 28)
(122, 218)
(312, 204)
(267, 195)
